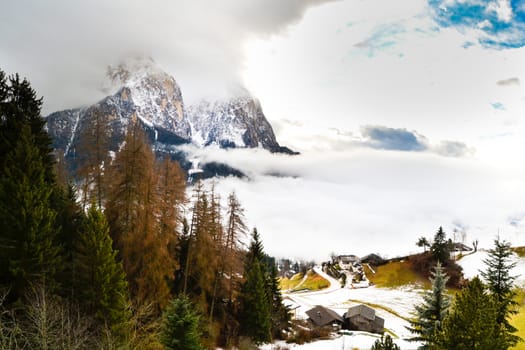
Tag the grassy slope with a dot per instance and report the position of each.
(313, 282)
(520, 251)
(290, 283)
(395, 274)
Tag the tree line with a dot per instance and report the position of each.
(120, 256)
(479, 315)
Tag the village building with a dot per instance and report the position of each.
(321, 316)
(363, 318)
(346, 262)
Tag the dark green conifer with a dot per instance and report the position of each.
(440, 249)
(255, 309)
(180, 327)
(280, 314)
(431, 313)
(100, 280)
(501, 285)
(29, 251)
(20, 107)
(385, 343)
(472, 324)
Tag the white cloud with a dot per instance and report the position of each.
(65, 47)
(368, 201)
(502, 9)
(437, 81)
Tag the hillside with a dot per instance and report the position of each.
(395, 290)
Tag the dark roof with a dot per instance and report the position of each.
(460, 247)
(348, 258)
(322, 316)
(363, 310)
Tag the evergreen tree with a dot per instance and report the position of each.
(28, 230)
(472, 324)
(256, 249)
(71, 219)
(501, 285)
(431, 313)
(255, 310)
(385, 343)
(180, 328)
(440, 248)
(100, 280)
(20, 107)
(30, 198)
(423, 242)
(280, 314)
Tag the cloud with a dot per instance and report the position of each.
(498, 24)
(63, 48)
(516, 220)
(305, 137)
(509, 82)
(381, 137)
(363, 201)
(453, 149)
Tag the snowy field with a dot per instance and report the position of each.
(400, 300)
(471, 265)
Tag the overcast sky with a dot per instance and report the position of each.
(409, 115)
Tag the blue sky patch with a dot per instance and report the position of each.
(381, 137)
(381, 39)
(498, 106)
(500, 29)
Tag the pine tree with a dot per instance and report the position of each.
(280, 314)
(30, 198)
(431, 313)
(256, 249)
(423, 242)
(385, 343)
(71, 219)
(501, 285)
(100, 282)
(255, 309)
(20, 107)
(28, 228)
(472, 324)
(180, 328)
(440, 248)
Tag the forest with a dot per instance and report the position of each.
(118, 255)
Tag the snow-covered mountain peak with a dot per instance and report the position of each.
(142, 91)
(154, 95)
(232, 122)
(132, 71)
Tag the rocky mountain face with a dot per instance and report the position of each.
(138, 90)
(238, 122)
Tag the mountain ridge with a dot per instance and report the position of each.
(141, 91)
